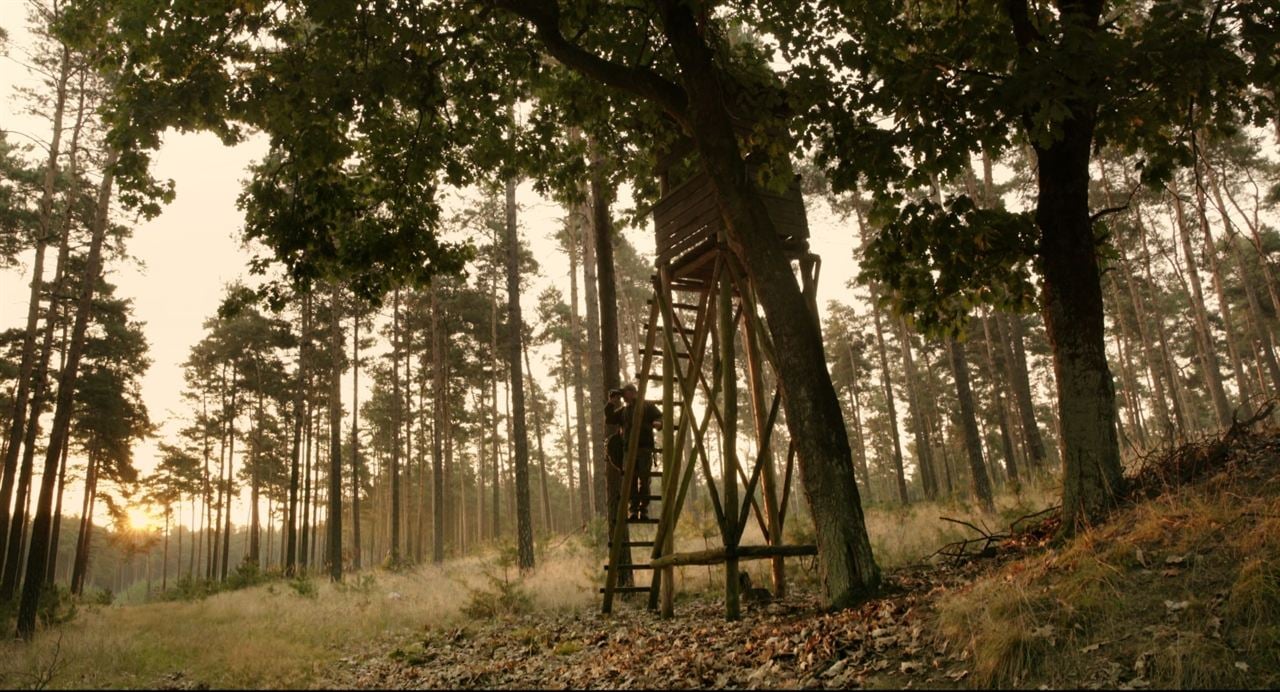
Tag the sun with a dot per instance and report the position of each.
(140, 519)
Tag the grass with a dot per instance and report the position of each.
(281, 634)
(1182, 591)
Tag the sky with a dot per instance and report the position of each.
(183, 259)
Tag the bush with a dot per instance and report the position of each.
(504, 596)
(102, 597)
(362, 584)
(56, 605)
(247, 574)
(304, 586)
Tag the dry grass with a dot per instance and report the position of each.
(271, 635)
(1182, 591)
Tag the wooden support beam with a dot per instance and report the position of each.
(715, 556)
(729, 453)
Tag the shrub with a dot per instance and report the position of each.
(304, 586)
(56, 605)
(504, 595)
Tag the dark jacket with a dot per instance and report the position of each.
(623, 415)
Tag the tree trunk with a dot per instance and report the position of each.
(295, 459)
(393, 556)
(38, 555)
(1073, 315)
(548, 525)
(515, 329)
(17, 422)
(924, 455)
(595, 365)
(1204, 338)
(579, 396)
(891, 406)
(355, 438)
(969, 426)
(334, 518)
(998, 384)
(439, 424)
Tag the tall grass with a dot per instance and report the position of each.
(286, 632)
(281, 634)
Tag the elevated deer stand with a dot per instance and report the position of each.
(701, 297)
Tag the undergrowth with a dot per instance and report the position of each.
(1181, 589)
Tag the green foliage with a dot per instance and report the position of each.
(941, 261)
(362, 584)
(504, 595)
(57, 606)
(304, 586)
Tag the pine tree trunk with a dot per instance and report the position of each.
(520, 441)
(17, 421)
(393, 556)
(548, 523)
(997, 370)
(924, 456)
(355, 439)
(579, 396)
(334, 519)
(1204, 338)
(439, 425)
(295, 458)
(890, 405)
(969, 426)
(595, 366)
(38, 555)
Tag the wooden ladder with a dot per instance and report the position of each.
(674, 364)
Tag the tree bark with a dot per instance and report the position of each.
(38, 554)
(1204, 337)
(334, 520)
(355, 438)
(585, 509)
(17, 422)
(969, 426)
(1073, 315)
(439, 425)
(515, 328)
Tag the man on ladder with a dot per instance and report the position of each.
(619, 411)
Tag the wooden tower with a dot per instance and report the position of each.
(704, 320)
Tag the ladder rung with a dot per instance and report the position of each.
(635, 544)
(662, 354)
(631, 567)
(676, 328)
(681, 306)
(650, 520)
(630, 589)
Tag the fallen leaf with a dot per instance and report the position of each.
(1090, 649)
(1244, 667)
(1176, 605)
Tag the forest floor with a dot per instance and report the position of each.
(1180, 588)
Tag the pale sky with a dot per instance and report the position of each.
(192, 250)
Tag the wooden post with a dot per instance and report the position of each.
(729, 461)
(768, 480)
(665, 578)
